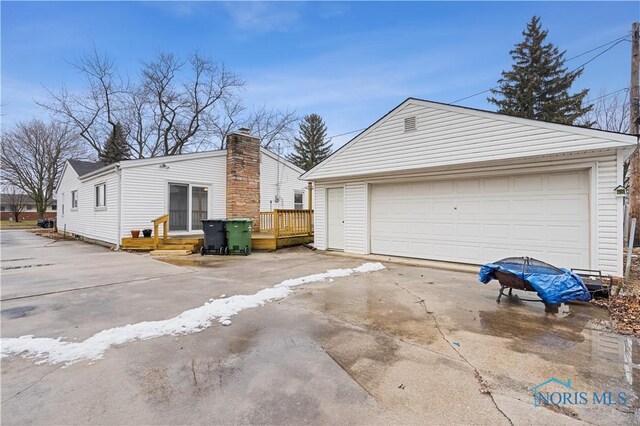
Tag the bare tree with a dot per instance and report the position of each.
(610, 112)
(167, 110)
(272, 126)
(16, 200)
(173, 105)
(33, 155)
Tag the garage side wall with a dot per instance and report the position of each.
(320, 217)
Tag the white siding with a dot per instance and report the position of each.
(449, 135)
(87, 220)
(607, 236)
(319, 218)
(69, 220)
(355, 219)
(277, 178)
(99, 223)
(145, 188)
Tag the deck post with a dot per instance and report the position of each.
(309, 196)
(276, 224)
(165, 231)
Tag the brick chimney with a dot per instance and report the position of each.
(243, 177)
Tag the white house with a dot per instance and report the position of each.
(449, 183)
(105, 203)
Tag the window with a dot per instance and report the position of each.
(29, 207)
(3, 208)
(74, 199)
(199, 201)
(54, 207)
(101, 195)
(297, 200)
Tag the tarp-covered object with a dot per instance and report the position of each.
(553, 288)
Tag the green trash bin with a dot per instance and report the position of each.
(239, 236)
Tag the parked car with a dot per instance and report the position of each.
(46, 222)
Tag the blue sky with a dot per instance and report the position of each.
(349, 62)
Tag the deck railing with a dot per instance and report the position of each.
(287, 223)
(164, 221)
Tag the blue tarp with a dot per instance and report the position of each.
(552, 288)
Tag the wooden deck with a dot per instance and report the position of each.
(187, 242)
(267, 241)
(278, 229)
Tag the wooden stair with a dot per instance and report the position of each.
(177, 243)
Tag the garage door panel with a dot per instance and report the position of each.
(471, 187)
(496, 207)
(528, 183)
(531, 233)
(475, 221)
(469, 231)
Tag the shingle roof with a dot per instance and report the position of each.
(84, 167)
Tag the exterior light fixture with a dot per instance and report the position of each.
(620, 191)
(164, 166)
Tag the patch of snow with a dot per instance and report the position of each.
(55, 351)
(223, 295)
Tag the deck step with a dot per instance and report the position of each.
(170, 252)
(190, 247)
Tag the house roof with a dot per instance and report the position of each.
(85, 167)
(101, 168)
(450, 134)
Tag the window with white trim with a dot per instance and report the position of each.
(101, 195)
(297, 200)
(74, 200)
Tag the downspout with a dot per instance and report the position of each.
(119, 233)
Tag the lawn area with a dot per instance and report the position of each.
(27, 224)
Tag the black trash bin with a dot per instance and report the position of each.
(215, 237)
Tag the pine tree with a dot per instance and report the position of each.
(115, 148)
(311, 146)
(538, 84)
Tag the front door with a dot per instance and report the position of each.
(178, 207)
(335, 218)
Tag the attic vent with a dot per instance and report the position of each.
(409, 124)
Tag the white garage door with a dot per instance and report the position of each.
(545, 216)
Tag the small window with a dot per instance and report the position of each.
(3, 208)
(29, 207)
(74, 199)
(410, 124)
(54, 207)
(297, 200)
(101, 195)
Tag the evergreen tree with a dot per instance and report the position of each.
(115, 148)
(311, 146)
(538, 84)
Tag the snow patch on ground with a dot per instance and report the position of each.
(55, 351)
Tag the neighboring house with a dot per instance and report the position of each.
(28, 213)
(443, 182)
(105, 203)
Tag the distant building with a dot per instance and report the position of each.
(29, 212)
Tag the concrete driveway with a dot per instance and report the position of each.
(407, 344)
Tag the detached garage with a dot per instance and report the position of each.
(441, 182)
